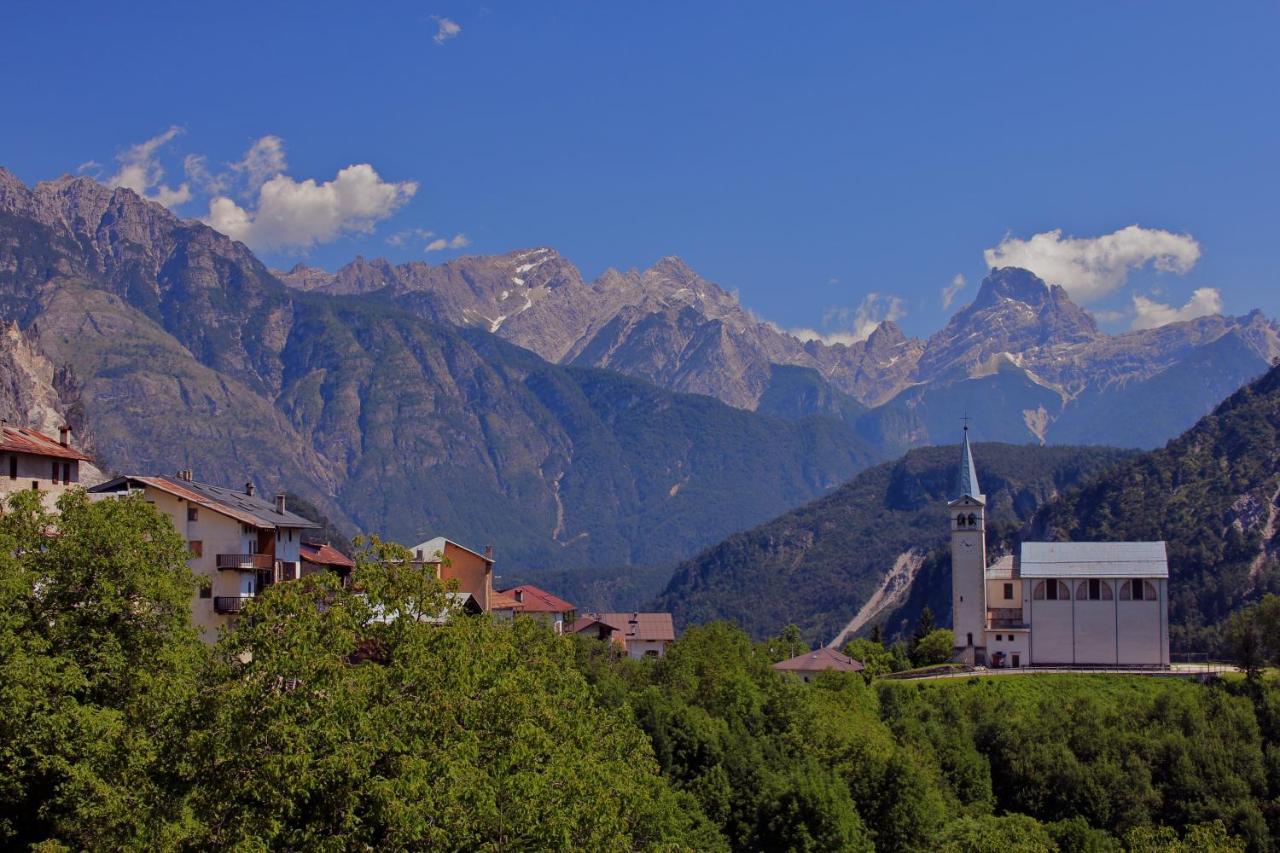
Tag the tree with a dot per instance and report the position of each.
(876, 659)
(934, 648)
(97, 654)
(923, 628)
(461, 735)
(1253, 636)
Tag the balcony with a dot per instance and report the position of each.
(247, 562)
(1005, 617)
(229, 603)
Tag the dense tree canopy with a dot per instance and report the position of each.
(336, 717)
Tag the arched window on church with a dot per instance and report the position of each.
(1051, 590)
(972, 520)
(960, 520)
(1138, 590)
(1093, 589)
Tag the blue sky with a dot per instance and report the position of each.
(805, 155)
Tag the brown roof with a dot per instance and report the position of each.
(641, 627)
(530, 599)
(23, 440)
(502, 601)
(818, 661)
(325, 555)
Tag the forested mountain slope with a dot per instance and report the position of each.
(816, 566)
(1213, 494)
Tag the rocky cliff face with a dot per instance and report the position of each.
(665, 324)
(188, 353)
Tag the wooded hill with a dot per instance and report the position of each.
(817, 565)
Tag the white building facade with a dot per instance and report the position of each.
(1090, 604)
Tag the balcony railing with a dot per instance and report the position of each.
(247, 562)
(1005, 617)
(229, 603)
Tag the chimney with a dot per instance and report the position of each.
(185, 475)
(519, 596)
(64, 435)
(248, 488)
(280, 503)
(488, 553)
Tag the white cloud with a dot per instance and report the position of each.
(1107, 315)
(262, 162)
(291, 213)
(1091, 267)
(445, 29)
(1148, 313)
(88, 166)
(401, 238)
(141, 172)
(458, 241)
(949, 292)
(858, 322)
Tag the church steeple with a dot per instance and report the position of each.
(967, 482)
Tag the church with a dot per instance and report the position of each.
(1053, 603)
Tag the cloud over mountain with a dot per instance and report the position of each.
(1147, 313)
(1089, 268)
(141, 172)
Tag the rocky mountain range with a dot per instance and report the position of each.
(171, 346)
(1032, 361)
(505, 399)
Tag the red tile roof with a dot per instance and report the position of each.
(818, 661)
(529, 599)
(23, 440)
(325, 555)
(640, 627)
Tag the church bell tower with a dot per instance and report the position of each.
(968, 562)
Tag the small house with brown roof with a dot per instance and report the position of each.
(641, 635)
(32, 460)
(809, 664)
(529, 600)
(317, 557)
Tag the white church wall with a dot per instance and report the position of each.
(1144, 630)
(1095, 630)
(1052, 632)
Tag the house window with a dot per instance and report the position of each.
(197, 547)
(66, 473)
(35, 485)
(206, 591)
(193, 514)
(55, 473)
(1094, 589)
(1008, 592)
(13, 467)
(999, 637)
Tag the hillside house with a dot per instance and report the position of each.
(808, 665)
(317, 557)
(1053, 603)
(640, 635)
(529, 600)
(32, 460)
(450, 561)
(239, 542)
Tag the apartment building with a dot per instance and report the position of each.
(240, 543)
